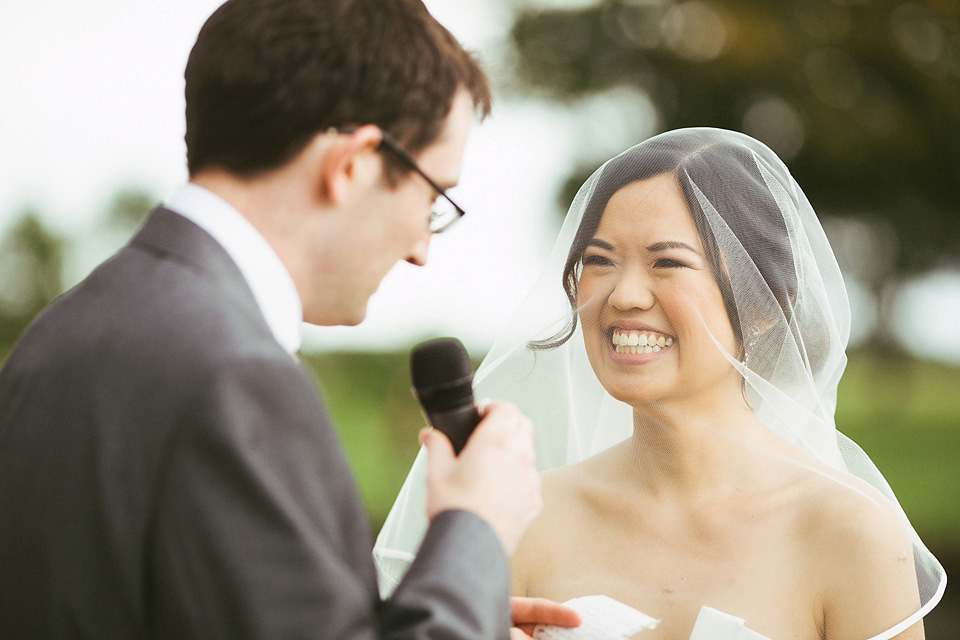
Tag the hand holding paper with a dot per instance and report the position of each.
(527, 613)
(603, 618)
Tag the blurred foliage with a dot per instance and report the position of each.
(370, 399)
(859, 97)
(129, 206)
(32, 257)
(31, 268)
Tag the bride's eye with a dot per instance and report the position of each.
(596, 260)
(669, 263)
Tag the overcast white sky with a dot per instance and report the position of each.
(92, 100)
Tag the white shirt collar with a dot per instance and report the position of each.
(265, 273)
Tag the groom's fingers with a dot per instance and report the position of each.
(439, 450)
(528, 612)
(494, 477)
(440, 462)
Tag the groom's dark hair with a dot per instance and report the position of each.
(265, 76)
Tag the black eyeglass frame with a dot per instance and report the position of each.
(389, 143)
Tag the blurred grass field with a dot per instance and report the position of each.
(904, 412)
(369, 396)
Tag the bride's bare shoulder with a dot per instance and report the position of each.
(569, 497)
(834, 506)
(862, 549)
(582, 485)
(565, 490)
(843, 508)
(859, 545)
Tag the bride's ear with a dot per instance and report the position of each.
(345, 161)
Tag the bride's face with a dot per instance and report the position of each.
(645, 281)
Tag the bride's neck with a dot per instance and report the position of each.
(694, 451)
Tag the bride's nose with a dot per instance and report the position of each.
(631, 291)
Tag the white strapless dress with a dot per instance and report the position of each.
(604, 618)
(716, 625)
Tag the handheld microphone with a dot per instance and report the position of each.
(443, 382)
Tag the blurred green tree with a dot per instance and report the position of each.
(129, 206)
(859, 97)
(32, 257)
(31, 273)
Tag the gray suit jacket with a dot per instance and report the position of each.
(168, 471)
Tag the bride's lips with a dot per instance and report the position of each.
(637, 344)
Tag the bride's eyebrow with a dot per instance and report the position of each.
(596, 242)
(671, 244)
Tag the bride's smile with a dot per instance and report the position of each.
(639, 345)
(653, 317)
(642, 341)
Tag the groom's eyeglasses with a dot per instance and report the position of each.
(444, 211)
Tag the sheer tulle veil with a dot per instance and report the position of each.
(782, 290)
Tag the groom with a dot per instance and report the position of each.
(167, 469)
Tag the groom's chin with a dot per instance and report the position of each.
(342, 317)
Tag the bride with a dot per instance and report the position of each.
(680, 358)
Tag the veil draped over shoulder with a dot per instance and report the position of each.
(782, 291)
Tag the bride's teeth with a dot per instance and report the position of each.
(636, 343)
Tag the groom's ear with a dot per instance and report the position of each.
(342, 162)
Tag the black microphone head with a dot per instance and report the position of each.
(439, 362)
(443, 381)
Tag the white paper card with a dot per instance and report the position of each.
(602, 618)
(716, 625)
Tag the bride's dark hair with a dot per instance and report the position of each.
(730, 178)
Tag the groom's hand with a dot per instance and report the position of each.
(527, 613)
(494, 476)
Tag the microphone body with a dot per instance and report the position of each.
(443, 383)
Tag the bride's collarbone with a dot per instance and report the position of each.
(637, 513)
(778, 608)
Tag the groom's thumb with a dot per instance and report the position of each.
(439, 449)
